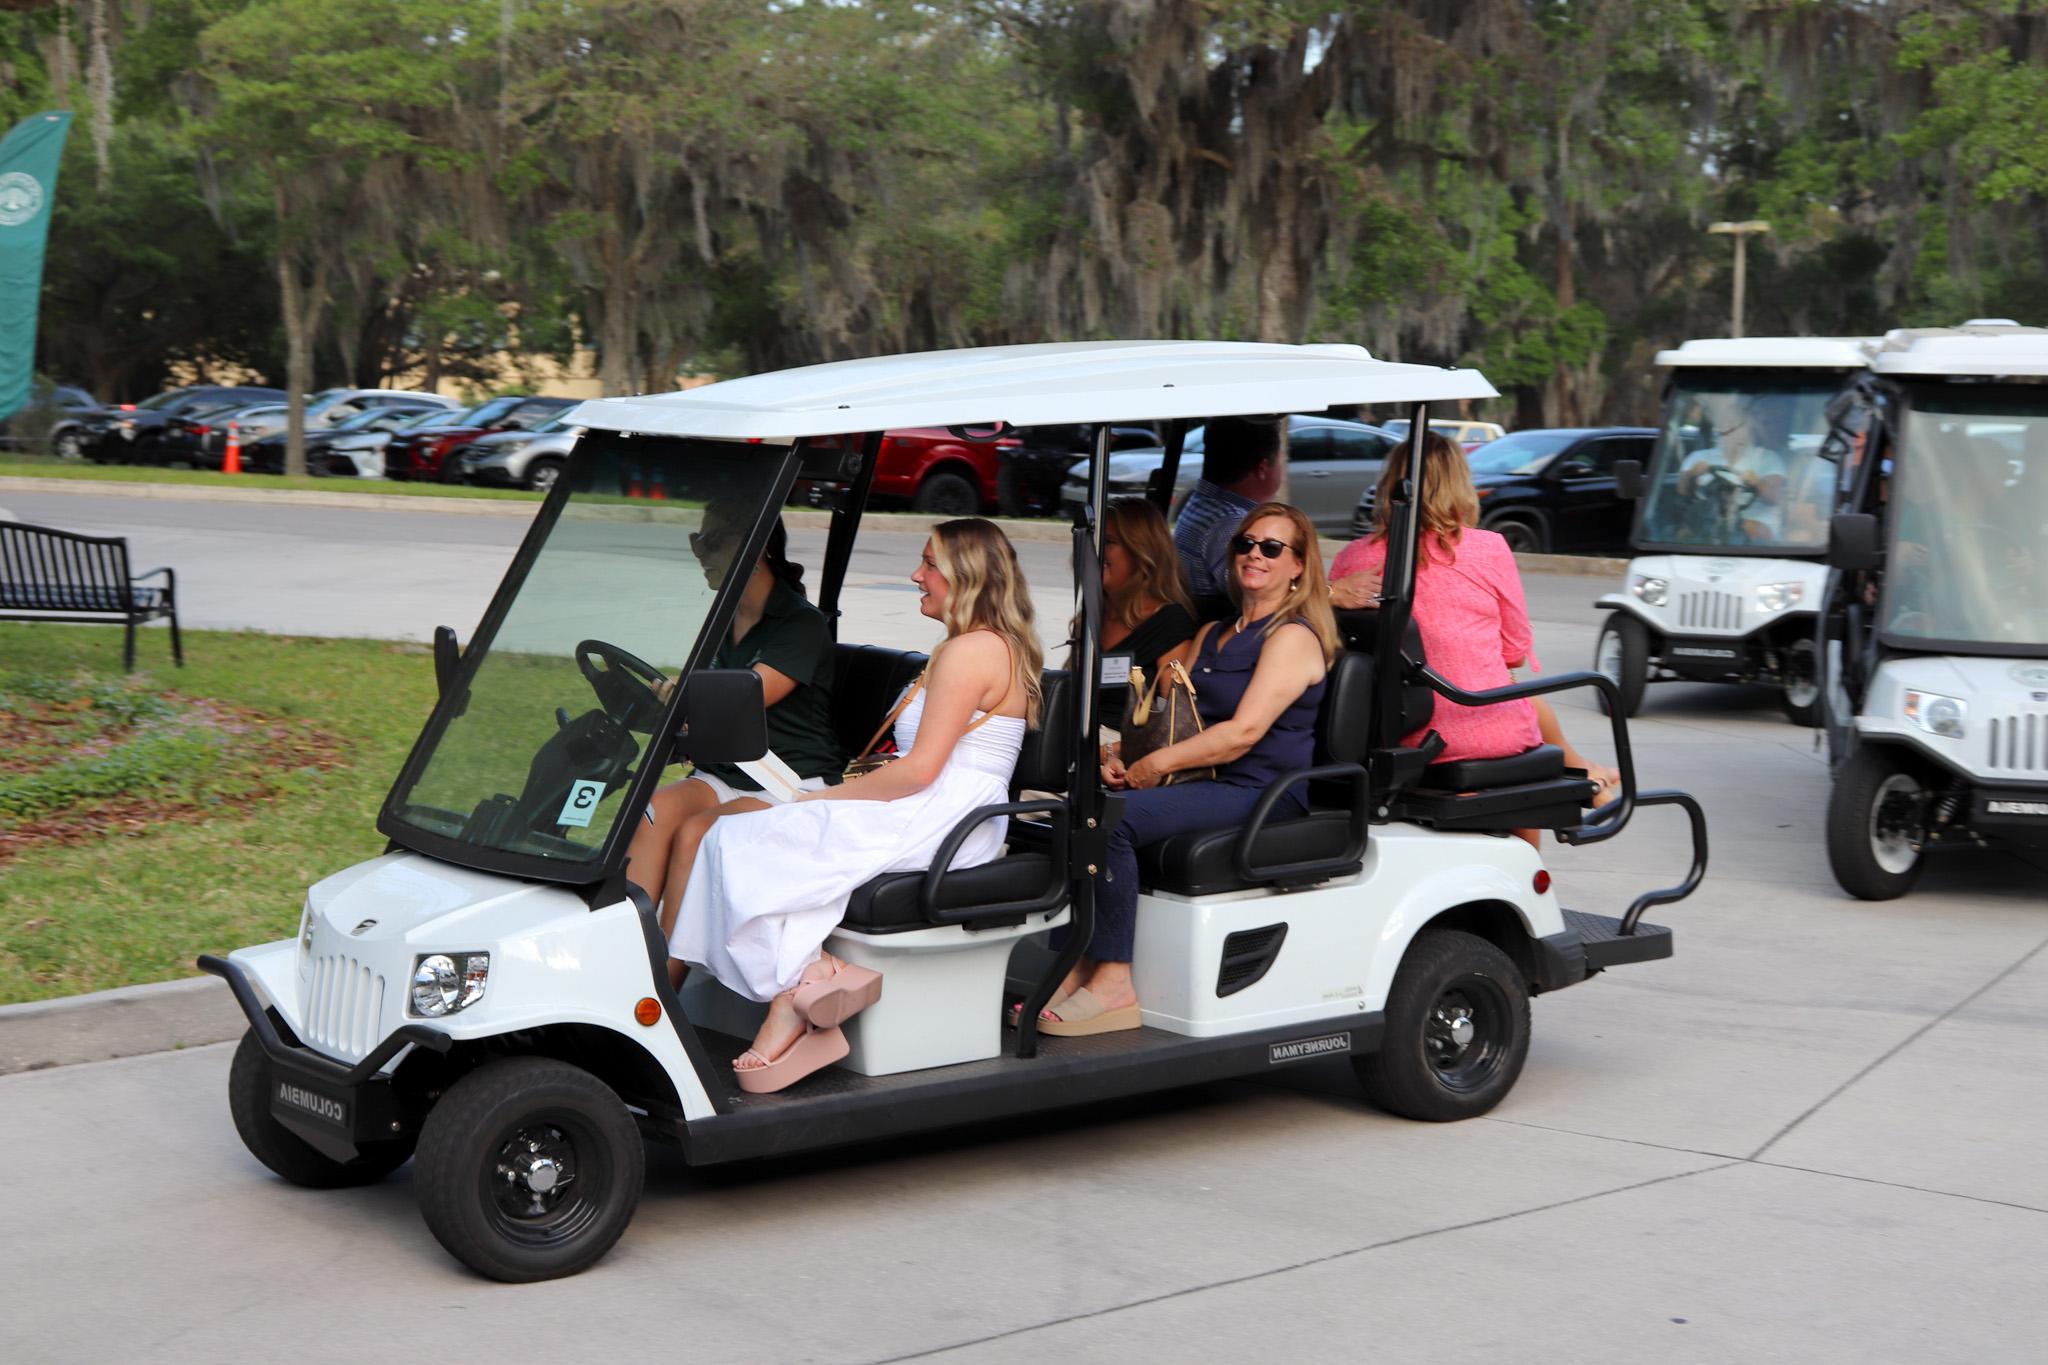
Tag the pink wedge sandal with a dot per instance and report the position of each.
(813, 1050)
(831, 1000)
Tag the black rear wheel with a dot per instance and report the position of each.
(1801, 694)
(1523, 537)
(947, 495)
(529, 1169)
(250, 1085)
(1457, 1030)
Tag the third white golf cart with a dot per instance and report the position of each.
(1937, 612)
(1732, 524)
(491, 994)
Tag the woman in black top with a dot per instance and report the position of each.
(782, 637)
(1146, 610)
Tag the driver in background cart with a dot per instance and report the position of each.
(1760, 468)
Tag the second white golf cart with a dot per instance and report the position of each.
(1732, 522)
(490, 996)
(1936, 629)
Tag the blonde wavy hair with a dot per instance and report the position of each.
(1308, 597)
(985, 590)
(1449, 501)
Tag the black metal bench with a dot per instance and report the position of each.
(52, 575)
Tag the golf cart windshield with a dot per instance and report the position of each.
(1738, 465)
(525, 765)
(1968, 521)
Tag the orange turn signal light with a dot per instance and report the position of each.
(648, 1011)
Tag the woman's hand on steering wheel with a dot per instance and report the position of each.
(631, 690)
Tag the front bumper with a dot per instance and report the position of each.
(333, 1106)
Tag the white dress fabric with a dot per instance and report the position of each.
(769, 886)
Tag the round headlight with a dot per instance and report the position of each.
(1653, 592)
(436, 986)
(1945, 717)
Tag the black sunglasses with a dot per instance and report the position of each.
(1271, 549)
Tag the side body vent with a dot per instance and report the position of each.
(1247, 955)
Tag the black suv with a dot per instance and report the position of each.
(1551, 488)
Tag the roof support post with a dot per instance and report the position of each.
(845, 523)
(1397, 586)
(1093, 816)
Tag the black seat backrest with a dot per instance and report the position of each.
(867, 680)
(1048, 751)
(1345, 719)
(1359, 631)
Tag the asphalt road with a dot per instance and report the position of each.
(1813, 1135)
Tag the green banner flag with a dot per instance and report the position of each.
(28, 187)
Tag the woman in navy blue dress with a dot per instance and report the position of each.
(1258, 683)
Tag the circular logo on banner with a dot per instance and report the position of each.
(21, 198)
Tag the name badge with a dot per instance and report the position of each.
(1116, 669)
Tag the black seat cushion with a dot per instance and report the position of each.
(1359, 631)
(889, 904)
(866, 680)
(1204, 862)
(1539, 764)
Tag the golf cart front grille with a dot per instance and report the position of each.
(2019, 743)
(1709, 611)
(344, 1007)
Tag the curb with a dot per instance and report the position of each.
(126, 1022)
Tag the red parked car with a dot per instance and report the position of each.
(423, 454)
(931, 470)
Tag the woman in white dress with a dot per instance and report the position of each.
(766, 887)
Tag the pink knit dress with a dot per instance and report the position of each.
(1468, 606)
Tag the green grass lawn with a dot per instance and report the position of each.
(185, 810)
(34, 467)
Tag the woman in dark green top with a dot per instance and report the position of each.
(1146, 610)
(785, 639)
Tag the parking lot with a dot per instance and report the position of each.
(1811, 1135)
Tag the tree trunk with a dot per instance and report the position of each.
(298, 344)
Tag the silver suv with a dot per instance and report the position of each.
(519, 459)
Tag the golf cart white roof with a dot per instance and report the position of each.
(1089, 381)
(1978, 350)
(1773, 353)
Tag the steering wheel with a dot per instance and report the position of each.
(624, 685)
(1731, 483)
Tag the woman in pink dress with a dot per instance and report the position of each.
(1468, 608)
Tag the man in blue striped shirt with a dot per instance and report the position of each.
(1241, 468)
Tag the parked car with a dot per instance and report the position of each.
(54, 422)
(1330, 462)
(265, 455)
(359, 454)
(519, 459)
(332, 407)
(1030, 471)
(131, 433)
(1550, 488)
(1465, 433)
(930, 469)
(423, 453)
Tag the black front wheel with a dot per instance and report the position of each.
(1801, 695)
(1623, 654)
(1457, 1030)
(1523, 537)
(529, 1169)
(250, 1085)
(1877, 824)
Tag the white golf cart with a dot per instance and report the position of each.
(1733, 521)
(490, 996)
(1936, 633)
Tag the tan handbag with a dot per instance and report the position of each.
(1160, 715)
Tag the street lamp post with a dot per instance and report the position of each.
(1741, 232)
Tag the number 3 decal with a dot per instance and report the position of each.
(582, 802)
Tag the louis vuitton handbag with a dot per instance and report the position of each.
(1163, 713)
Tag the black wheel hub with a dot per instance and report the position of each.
(543, 1186)
(1465, 1033)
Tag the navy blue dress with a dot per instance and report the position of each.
(1221, 673)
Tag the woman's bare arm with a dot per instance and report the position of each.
(1290, 662)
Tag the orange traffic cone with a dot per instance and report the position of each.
(633, 482)
(231, 458)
